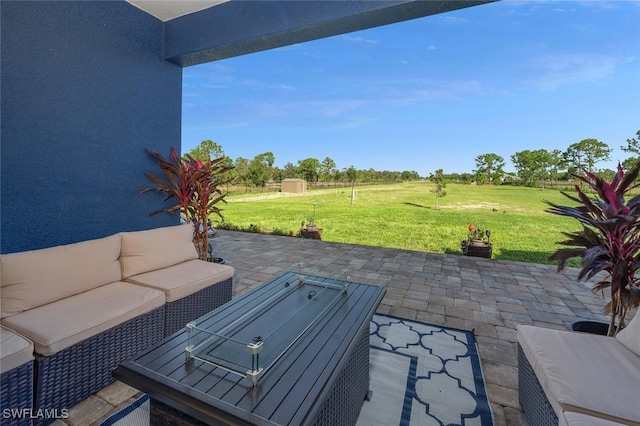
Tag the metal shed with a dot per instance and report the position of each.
(294, 186)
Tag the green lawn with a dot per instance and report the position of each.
(404, 216)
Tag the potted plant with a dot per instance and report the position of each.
(478, 242)
(609, 241)
(195, 186)
(309, 229)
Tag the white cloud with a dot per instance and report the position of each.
(359, 39)
(553, 71)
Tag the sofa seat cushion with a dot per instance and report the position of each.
(630, 335)
(578, 419)
(144, 251)
(15, 350)
(64, 323)
(184, 278)
(39, 277)
(575, 369)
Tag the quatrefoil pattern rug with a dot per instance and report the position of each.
(424, 375)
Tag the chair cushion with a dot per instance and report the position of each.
(39, 277)
(144, 251)
(575, 368)
(185, 278)
(64, 323)
(15, 350)
(630, 335)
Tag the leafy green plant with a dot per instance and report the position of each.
(194, 185)
(609, 240)
(478, 233)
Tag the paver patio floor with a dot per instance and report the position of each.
(485, 295)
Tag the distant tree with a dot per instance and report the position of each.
(556, 164)
(586, 154)
(351, 174)
(438, 179)
(259, 171)
(459, 177)
(328, 169)
(276, 174)
(309, 168)
(633, 147)
(489, 168)
(532, 166)
(289, 171)
(241, 171)
(207, 150)
(267, 158)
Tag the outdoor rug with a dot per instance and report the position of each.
(424, 375)
(421, 374)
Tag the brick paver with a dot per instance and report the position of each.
(488, 296)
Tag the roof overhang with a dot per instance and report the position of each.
(199, 31)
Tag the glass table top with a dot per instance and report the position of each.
(264, 329)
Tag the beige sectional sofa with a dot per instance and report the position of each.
(186, 281)
(573, 378)
(87, 306)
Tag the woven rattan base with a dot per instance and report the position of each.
(16, 393)
(533, 400)
(71, 375)
(344, 402)
(179, 312)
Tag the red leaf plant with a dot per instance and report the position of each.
(195, 186)
(608, 242)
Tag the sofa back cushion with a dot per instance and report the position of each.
(630, 335)
(38, 277)
(144, 251)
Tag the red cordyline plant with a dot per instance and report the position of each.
(609, 241)
(194, 184)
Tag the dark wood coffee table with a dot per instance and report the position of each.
(314, 367)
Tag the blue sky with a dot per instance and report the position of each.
(433, 92)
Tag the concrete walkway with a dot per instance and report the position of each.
(488, 296)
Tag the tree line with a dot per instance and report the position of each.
(532, 167)
(260, 170)
(535, 167)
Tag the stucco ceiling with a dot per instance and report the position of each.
(166, 10)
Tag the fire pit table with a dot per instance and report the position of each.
(292, 351)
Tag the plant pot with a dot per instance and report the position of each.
(216, 259)
(315, 234)
(593, 327)
(477, 248)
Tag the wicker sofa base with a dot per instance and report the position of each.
(179, 312)
(71, 375)
(534, 402)
(16, 393)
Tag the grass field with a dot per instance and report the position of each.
(404, 216)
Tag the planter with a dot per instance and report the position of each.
(477, 248)
(313, 234)
(593, 327)
(215, 259)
